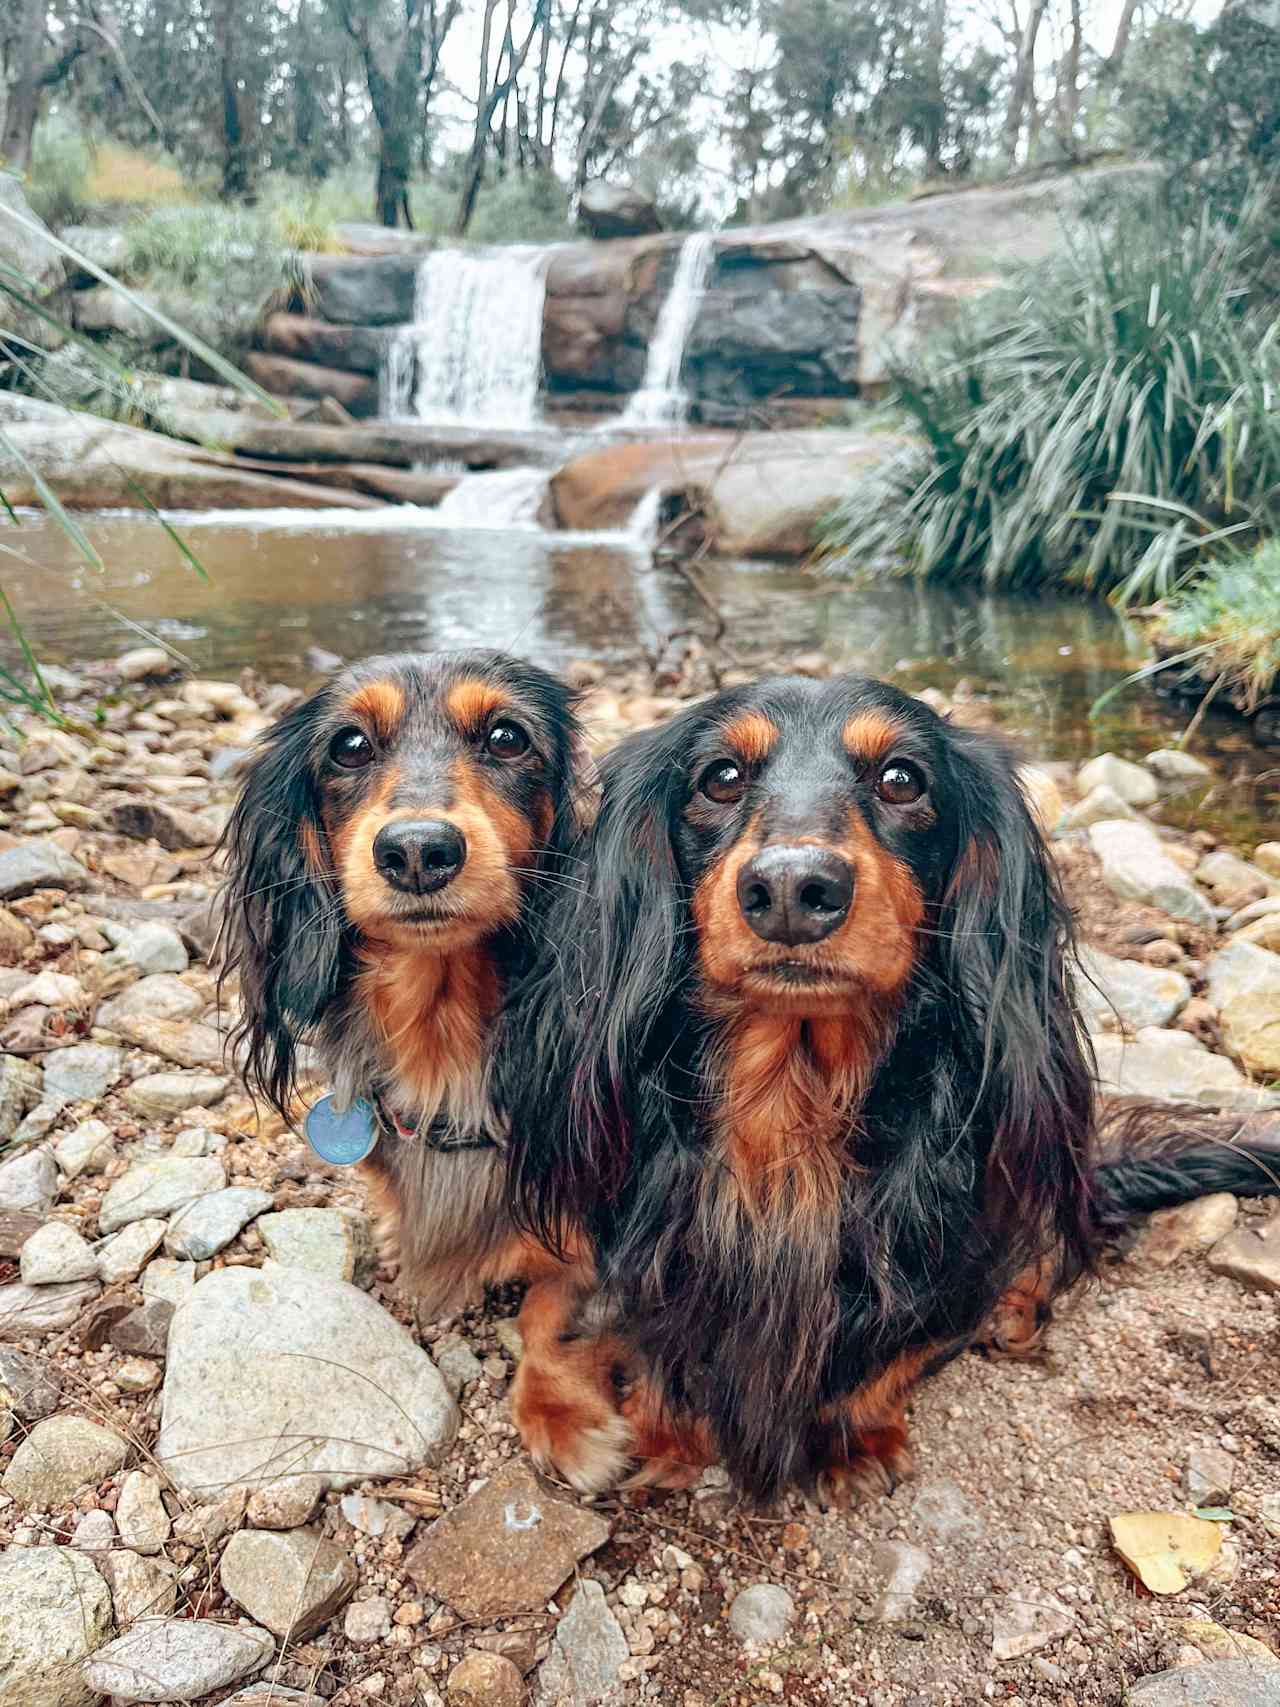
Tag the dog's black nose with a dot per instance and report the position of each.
(419, 855)
(795, 895)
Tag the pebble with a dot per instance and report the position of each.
(1216, 1643)
(86, 1148)
(173, 828)
(30, 1311)
(762, 1613)
(1269, 1511)
(55, 1610)
(136, 1375)
(210, 1223)
(1173, 1066)
(169, 1279)
(1131, 782)
(1186, 1230)
(140, 1588)
(124, 1256)
(1244, 986)
(457, 1363)
(160, 997)
(84, 1072)
(144, 1331)
(158, 1187)
(55, 1254)
(1215, 1683)
(145, 663)
(285, 1504)
(177, 1659)
(367, 1620)
(1232, 881)
(1100, 805)
(94, 1533)
(945, 1512)
(141, 1517)
(197, 1141)
(152, 947)
(206, 1525)
(28, 1183)
(1207, 1476)
(32, 1387)
(21, 1083)
(1026, 1621)
(588, 1651)
(903, 1568)
(1175, 768)
(291, 1581)
(376, 1517)
(1251, 1254)
(486, 1680)
(174, 1093)
(506, 1548)
(283, 1356)
(39, 864)
(1112, 991)
(1136, 866)
(59, 1456)
(335, 1243)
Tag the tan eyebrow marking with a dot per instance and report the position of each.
(870, 735)
(751, 736)
(382, 702)
(470, 703)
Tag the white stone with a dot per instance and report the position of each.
(762, 1613)
(273, 1370)
(54, 1254)
(140, 1588)
(1176, 769)
(28, 1183)
(95, 1532)
(376, 1517)
(140, 1515)
(904, 1568)
(336, 1243)
(1111, 991)
(587, 1652)
(158, 1187)
(84, 1149)
(144, 661)
(291, 1581)
(1136, 866)
(29, 1311)
(59, 1456)
(1133, 784)
(210, 1223)
(82, 1072)
(174, 1093)
(1100, 804)
(367, 1620)
(1027, 1621)
(161, 996)
(122, 1257)
(169, 1279)
(54, 1611)
(1173, 1066)
(180, 1659)
(1244, 986)
(152, 947)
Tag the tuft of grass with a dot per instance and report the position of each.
(125, 176)
(1233, 610)
(61, 171)
(1100, 423)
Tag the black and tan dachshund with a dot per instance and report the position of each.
(806, 1065)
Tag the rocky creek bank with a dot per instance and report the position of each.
(237, 1467)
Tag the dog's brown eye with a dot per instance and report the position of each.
(724, 782)
(899, 784)
(506, 741)
(351, 749)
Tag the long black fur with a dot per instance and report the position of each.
(972, 1143)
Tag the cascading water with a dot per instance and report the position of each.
(499, 498)
(660, 400)
(473, 354)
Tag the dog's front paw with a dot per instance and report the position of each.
(568, 1427)
(866, 1465)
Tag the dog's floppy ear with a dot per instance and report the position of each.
(1006, 939)
(282, 925)
(589, 1021)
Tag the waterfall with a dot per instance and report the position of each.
(500, 498)
(660, 399)
(473, 354)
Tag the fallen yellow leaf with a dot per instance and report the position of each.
(1165, 1549)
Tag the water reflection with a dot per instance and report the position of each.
(387, 581)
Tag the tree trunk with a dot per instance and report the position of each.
(22, 96)
(1113, 65)
(237, 169)
(936, 123)
(1069, 103)
(488, 100)
(1023, 79)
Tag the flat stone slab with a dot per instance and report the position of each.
(1172, 1066)
(505, 1549)
(1251, 1254)
(1216, 1683)
(275, 1371)
(178, 1659)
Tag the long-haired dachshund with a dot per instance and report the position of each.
(812, 1077)
(390, 860)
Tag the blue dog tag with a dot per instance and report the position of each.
(341, 1138)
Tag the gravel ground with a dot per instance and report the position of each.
(1000, 1537)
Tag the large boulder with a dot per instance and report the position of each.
(55, 1610)
(762, 495)
(753, 344)
(25, 247)
(616, 210)
(360, 290)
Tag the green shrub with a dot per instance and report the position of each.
(1234, 610)
(1097, 423)
(61, 164)
(528, 207)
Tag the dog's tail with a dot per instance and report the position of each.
(1158, 1155)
